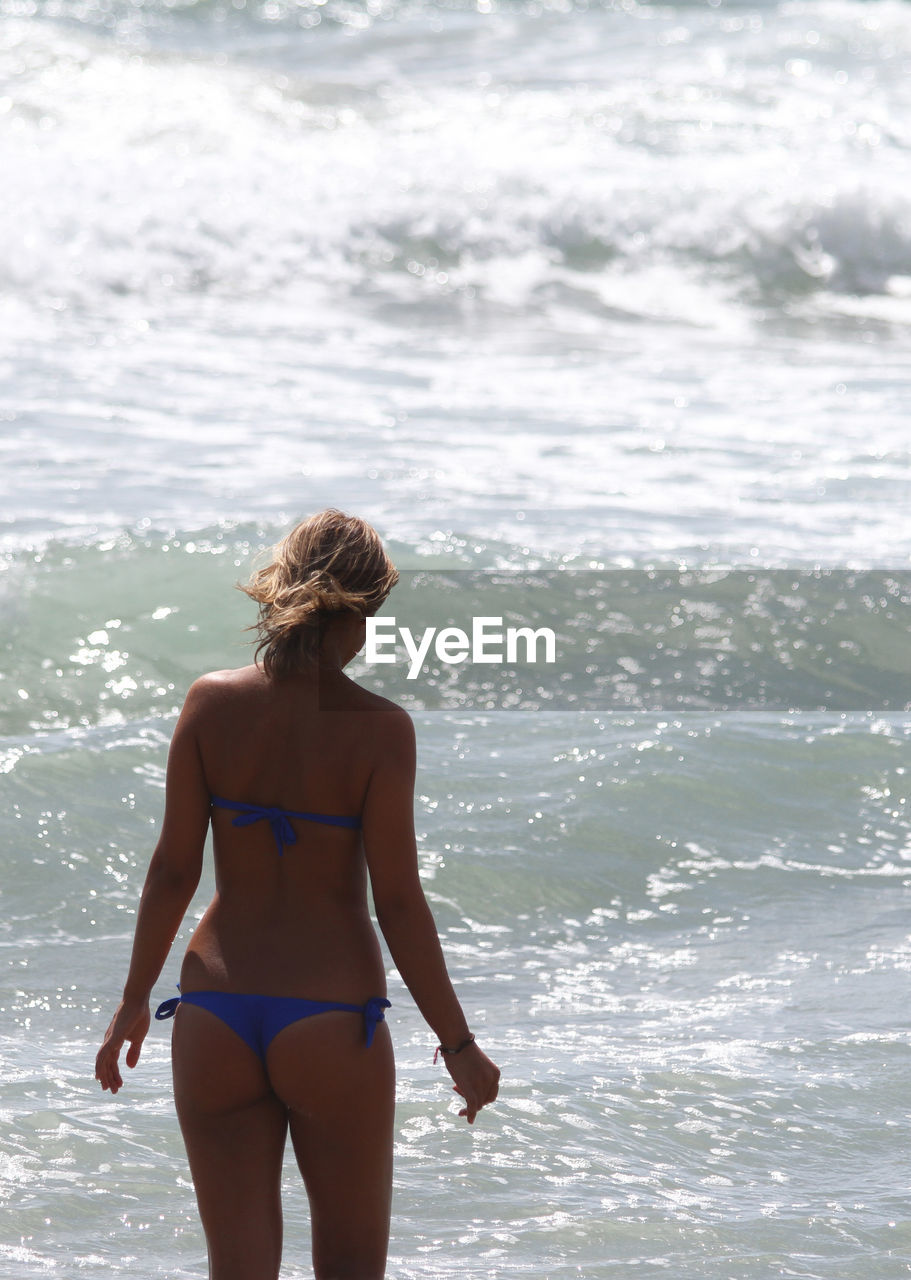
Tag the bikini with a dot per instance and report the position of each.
(258, 1019)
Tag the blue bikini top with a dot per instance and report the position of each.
(278, 819)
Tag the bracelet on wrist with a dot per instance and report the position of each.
(448, 1050)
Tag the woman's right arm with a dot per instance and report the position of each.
(404, 915)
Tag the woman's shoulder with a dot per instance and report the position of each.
(214, 684)
(216, 690)
(385, 713)
(394, 718)
(236, 685)
(249, 689)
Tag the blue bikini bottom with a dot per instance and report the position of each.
(258, 1019)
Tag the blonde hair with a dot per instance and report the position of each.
(329, 564)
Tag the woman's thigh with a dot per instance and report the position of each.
(341, 1101)
(234, 1129)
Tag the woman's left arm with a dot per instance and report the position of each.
(170, 883)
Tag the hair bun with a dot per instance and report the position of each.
(329, 564)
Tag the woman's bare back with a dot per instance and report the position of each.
(295, 922)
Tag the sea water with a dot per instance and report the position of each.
(600, 313)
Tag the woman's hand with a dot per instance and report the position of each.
(476, 1078)
(130, 1022)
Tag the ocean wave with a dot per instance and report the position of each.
(114, 632)
(224, 18)
(153, 178)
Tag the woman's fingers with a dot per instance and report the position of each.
(107, 1070)
(129, 1024)
(476, 1078)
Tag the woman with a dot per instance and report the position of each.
(308, 781)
